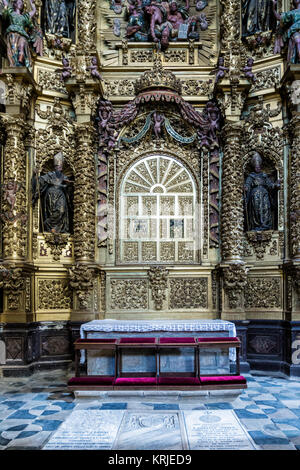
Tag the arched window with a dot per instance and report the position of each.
(158, 213)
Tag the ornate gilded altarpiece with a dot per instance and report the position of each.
(155, 110)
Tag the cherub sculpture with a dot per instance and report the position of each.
(248, 70)
(220, 70)
(94, 68)
(158, 122)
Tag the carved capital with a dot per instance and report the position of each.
(20, 88)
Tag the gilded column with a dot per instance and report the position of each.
(14, 210)
(232, 195)
(84, 195)
(295, 188)
(83, 275)
(85, 90)
(86, 26)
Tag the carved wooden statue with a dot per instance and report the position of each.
(59, 17)
(290, 23)
(258, 201)
(257, 16)
(53, 190)
(18, 32)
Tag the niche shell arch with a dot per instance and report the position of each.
(158, 213)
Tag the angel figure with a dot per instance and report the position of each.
(66, 70)
(94, 68)
(158, 122)
(220, 70)
(10, 189)
(248, 70)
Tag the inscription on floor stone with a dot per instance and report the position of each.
(216, 430)
(87, 429)
(150, 430)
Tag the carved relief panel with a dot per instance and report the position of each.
(156, 290)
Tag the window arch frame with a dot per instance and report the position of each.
(197, 214)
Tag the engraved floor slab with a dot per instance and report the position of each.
(87, 429)
(150, 430)
(216, 430)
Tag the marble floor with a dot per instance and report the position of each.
(33, 409)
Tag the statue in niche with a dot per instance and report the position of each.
(290, 27)
(258, 189)
(59, 17)
(55, 193)
(18, 33)
(257, 16)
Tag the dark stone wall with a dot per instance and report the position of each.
(37, 346)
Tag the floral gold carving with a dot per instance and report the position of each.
(188, 293)
(260, 241)
(235, 281)
(82, 282)
(56, 242)
(54, 294)
(129, 294)
(158, 276)
(263, 293)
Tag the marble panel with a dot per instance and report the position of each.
(150, 431)
(87, 430)
(216, 430)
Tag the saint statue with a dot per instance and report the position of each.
(257, 16)
(18, 33)
(290, 25)
(59, 17)
(54, 191)
(258, 197)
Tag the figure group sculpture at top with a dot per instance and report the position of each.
(162, 22)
